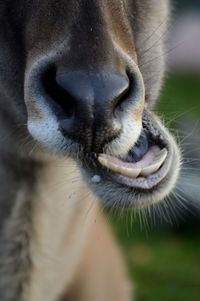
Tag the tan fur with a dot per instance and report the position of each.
(120, 33)
(66, 221)
(102, 263)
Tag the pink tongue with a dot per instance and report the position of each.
(144, 162)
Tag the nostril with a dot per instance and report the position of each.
(127, 94)
(65, 104)
(123, 95)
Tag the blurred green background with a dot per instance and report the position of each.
(164, 259)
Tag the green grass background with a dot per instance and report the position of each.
(164, 262)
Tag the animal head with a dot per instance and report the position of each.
(84, 76)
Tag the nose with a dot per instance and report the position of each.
(86, 102)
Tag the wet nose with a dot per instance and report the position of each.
(86, 102)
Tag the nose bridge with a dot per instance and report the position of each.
(87, 33)
(87, 36)
(92, 39)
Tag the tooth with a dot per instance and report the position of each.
(158, 161)
(162, 155)
(128, 172)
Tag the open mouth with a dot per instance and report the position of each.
(146, 164)
(145, 175)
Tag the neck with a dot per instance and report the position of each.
(62, 217)
(46, 213)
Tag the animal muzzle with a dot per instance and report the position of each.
(90, 106)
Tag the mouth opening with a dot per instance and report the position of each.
(145, 164)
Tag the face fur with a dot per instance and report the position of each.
(84, 77)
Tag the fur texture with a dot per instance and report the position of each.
(54, 243)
